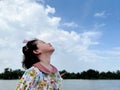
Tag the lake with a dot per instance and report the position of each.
(72, 84)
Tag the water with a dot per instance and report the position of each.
(91, 85)
(72, 84)
(8, 84)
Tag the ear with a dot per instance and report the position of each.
(36, 51)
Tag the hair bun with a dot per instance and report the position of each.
(25, 49)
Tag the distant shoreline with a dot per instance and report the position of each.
(90, 74)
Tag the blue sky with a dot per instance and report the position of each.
(85, 33)
(89, 13)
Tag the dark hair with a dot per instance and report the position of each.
(29, 58)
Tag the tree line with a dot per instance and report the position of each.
(91, 74)
(11, 74)
(88, 74)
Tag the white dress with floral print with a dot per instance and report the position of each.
(35, 79)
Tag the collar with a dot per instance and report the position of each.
(44, 69)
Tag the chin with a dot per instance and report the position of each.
(52, 49)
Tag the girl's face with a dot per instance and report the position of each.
(44, 47)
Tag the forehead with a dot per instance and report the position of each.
(40, 41)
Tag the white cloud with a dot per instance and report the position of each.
(98, 26)
(100, 14)
(70, 24)
(21, 20)
(50, 10)
(27, 19)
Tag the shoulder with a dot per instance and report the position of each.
(33, 71)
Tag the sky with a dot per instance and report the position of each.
(84, 33)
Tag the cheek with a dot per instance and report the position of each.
(42, 48)
(47, 48)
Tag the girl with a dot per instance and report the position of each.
(39, 74)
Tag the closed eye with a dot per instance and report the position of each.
(42, 42)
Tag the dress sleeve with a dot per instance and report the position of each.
(28, 80)
(59, 81)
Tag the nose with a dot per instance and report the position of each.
(50, 44)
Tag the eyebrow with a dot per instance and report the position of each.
(42, 41)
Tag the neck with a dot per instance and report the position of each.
(45, 59)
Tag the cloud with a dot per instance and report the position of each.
(27, 19)
(98, 26)
(70, 24)
(100, 14)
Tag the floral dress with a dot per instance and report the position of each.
(38, 78)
